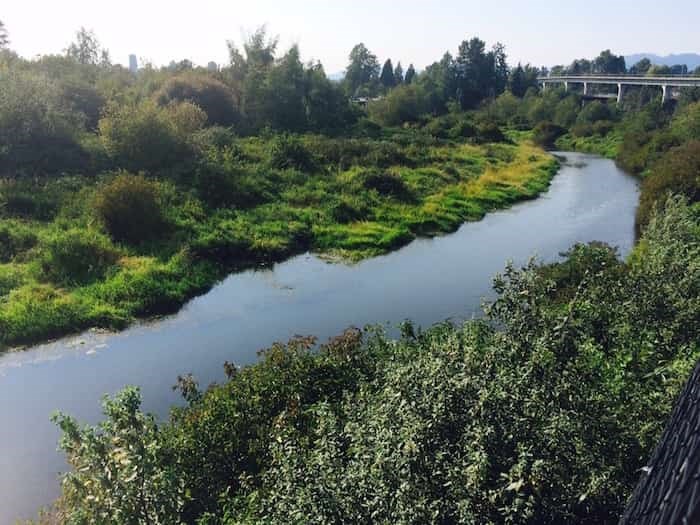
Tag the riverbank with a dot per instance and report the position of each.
(349, 198)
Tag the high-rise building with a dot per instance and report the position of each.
(212, 66)
(133, 64)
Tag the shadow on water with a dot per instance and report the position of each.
(427, 281)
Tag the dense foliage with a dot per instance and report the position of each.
(543, 412)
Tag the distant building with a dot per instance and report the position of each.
(133, 64)
(212, 66)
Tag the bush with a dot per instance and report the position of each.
(129, 208)
(546, 133)
(38, 130)
(15, 238)
(76, 256)
(287, 151)
(489, 132)
(402, 104)
(212, 96)
(147, 137)
(386, 184)
(677, 172)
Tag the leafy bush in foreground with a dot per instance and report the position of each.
(542, 413)
(129, 208)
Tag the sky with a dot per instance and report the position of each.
(534, 31)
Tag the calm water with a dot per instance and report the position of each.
(427, 281)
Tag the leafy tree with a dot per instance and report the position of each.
(608, 63)
(641, 67)
(387, 77)
(86, 48)
(362, 70)
(405, 103)
(410, 74)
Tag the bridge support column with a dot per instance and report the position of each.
(566, 87)
(585, 88)
(665, 94)
(544, 87)
(620, 92)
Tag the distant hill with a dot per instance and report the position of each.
(692, 60)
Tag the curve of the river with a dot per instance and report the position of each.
(427, 281)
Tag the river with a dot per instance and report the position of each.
(427, 281)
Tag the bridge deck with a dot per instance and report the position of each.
(625, 80)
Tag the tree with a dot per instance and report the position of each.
(387, 77)
(362, 70)
(86, 48)
(500, 68)
(641, 67)
(410, 74)
(476, 72)
(211, 95)
(607, 63)
(4, 38)
(398, 74)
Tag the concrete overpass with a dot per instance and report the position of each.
(667, 84)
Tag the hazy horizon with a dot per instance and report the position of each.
(411, 32)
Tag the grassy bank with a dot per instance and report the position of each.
(69, 261)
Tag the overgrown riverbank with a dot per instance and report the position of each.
(71, 259)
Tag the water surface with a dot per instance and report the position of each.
(427, 281)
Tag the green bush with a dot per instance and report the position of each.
(546, 133)
(402, 104)
(677, 172)
(147, 137)
(288, 151)
(15, 238)
(386, 184)
(76, 256)
(489, 132)
(129, 208)
(212, 96)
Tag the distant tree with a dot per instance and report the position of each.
(608, 63)
(641, 67)
(363, 68)
(679, 69)
(477, 76)
(500, 65)
(410, 74)
(387, 76)
(211, 95)
(557, 70)
(517, 81)
(398, 74)
(659, 70)
(86, 48)
(4, 37)
(696, 73)
(580, 67)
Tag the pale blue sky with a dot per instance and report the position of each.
(537, 31)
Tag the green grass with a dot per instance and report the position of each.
(61, 273)
(607, 146)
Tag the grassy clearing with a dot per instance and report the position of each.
(256, 201)
(607, 146)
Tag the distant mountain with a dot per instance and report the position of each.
(337, 77)
(692, 60)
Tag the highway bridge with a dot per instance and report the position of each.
(668, 84)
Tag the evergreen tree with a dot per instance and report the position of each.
(398, 74)
(387, 77)
(410, 75)
(4, 39)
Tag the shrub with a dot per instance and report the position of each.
(678, 172)
(489, 132)
(76, 256)
(147, 137)
(546, 133)
(15, 238)
(386, 184)
(464, 129)
(38, 130)
(402, 104)
(212, 96)
(129, 208)
(287, 151)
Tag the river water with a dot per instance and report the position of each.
(427, 281)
